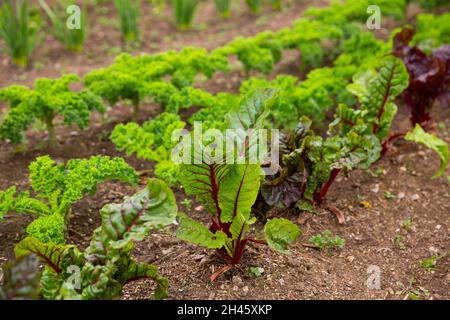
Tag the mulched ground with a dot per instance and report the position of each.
(397, 188)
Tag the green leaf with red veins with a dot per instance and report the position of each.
(239, 190)
(151, 208)
(57, 257)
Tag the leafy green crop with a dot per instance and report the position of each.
(73, 39)
(152, 142)
(254, 5)
(184, 11)
(135, 78)
(57, 188)
(356, 10)
(212, 115)
(101, 271)
(259, 53)
(432, 31)
(310, 163)
(228, 192)
(312, 97)
(223, 7)
(129, 19)
(362, 130)
(49, 98)
(18, 29)
(317, 41)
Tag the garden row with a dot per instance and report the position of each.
(21, 23)
(365, 77)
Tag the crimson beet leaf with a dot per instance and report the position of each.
(429, 77)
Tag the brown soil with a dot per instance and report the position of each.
(397, 188)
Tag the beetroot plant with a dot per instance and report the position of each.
(309, 164)
(107, 264)
(429, 77)
(228, 192)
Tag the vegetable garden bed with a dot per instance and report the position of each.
(392, 215)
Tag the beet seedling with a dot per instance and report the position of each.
(327, 242)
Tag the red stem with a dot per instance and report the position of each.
(318, 197)
(387, 142)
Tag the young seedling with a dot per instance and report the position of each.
(255, 272)
(377, 172)
(430, 263)
(388, 195)
(407, 224)
(18, 29)
(399, 241)
(48, 99)
(327, 242)
(187, 204)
